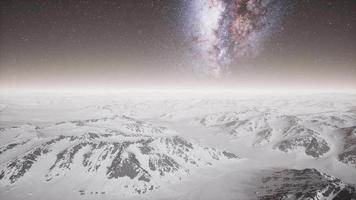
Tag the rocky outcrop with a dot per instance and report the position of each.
(303, 184)
(348, 153)
(313, 146)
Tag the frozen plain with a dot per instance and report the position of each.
(177, 146)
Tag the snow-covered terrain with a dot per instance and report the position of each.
(177, 146)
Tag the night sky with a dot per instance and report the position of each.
(178, 43)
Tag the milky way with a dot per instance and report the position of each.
(224, 30)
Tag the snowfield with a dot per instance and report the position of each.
(177, 146)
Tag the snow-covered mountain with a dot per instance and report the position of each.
(308, 132)
(178, 147)
(130, 154)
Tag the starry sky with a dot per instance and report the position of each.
(113, 44)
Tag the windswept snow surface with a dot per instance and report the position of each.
(177, 146)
